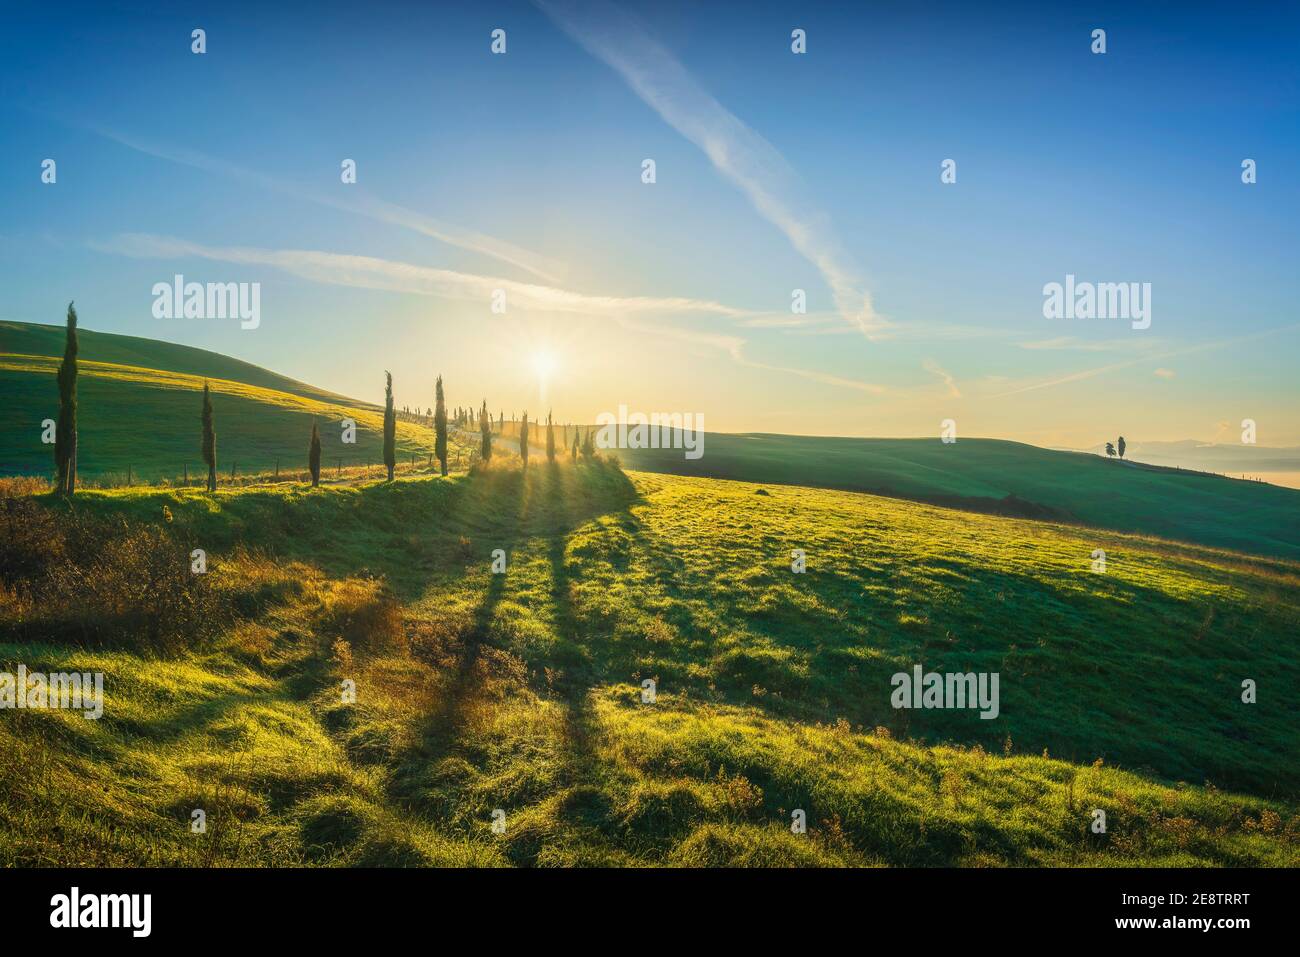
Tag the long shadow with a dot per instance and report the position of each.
(524, 508)
(587, 804)
(1074, 659)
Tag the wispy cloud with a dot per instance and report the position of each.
(1051, 381)
(937, 370)
(353, 199)
(1165, 373)
(369, 272)
(785, 322)
(740, 154)
(1076, 344)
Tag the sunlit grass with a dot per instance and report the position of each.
(522, 691)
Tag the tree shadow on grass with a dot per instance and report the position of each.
(1079, 675)
(466, 648)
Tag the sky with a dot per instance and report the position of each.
(774, 171)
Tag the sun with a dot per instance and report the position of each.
(544, 364)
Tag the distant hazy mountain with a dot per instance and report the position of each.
(1230, 459)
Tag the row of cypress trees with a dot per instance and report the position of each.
(65, 435)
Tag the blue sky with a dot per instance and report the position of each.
(775, 171)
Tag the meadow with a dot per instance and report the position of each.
(522, 696)
(141, 403)
(1010, 478)
(522, 691)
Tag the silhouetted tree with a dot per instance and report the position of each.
(209, 439)
(1110, 449)
(65, 430)
(523, 439)
(390, 426)
(588, 446)
(1120, 446)
(574, 454)
(485, 433)
(313, 456)
(550, 439)
(440, 426)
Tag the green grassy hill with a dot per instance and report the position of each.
(132, 416)
(31, 339)
(139, 408)
(521, 691)
(1009, 478)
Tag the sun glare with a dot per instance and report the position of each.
(544, 365)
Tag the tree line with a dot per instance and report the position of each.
(65, 435)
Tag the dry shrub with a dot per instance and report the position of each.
(104, 585)
(31, 538)
(23, 486)
(137, 589)
(442, 639)
(364, 613)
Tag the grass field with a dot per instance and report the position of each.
(31, 339)
(146, 418)
(131, 416)
(1009, 478)
(521, 691)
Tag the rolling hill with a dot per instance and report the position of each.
(31, 339)
(1276, 465)
(1009, 478)
(139, 410)
(132, 417)
(521, 692)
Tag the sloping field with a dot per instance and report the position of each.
(1009, 478)
(522, 691)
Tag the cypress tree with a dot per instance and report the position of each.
(440, 426)
(313, 456)
(550, 439)
(485, 433)
(588, 446)
(390, 426)
(574, 453)
(523, 439)
(209, 439)
(65, 431)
